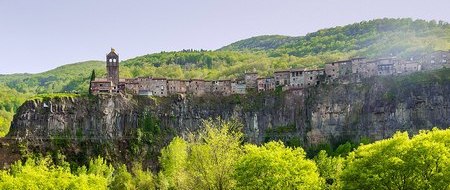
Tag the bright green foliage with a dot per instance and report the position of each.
(213, 154)
(274, 166)
(206, 160)
(141, 180)
(422, 162)
(42, 174)
(122, 179)
(379, 37)
(330, 168)
(10, 100)
(99, 167)
(173, 161)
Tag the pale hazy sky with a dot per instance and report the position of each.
(38, 35)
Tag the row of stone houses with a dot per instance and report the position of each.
(346, 71)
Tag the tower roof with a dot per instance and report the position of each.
(112, 53)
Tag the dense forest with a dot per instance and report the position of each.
(217, 158)
(375, 38)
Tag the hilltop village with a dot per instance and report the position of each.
(346, 71)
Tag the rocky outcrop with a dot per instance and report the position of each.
(330, 113)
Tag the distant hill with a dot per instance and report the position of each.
(69, 77)
(375, 38)
(257, 43)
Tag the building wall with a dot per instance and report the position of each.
(175, 86)
(250, 80)
(332, 71)
(159, 87)
(297, 79)
(221, 87)
(238, 87)
(265, 84)
(406, 67)
(312, 77)
(101, 86)
(435, 60)
(282, 78)
(196, 87)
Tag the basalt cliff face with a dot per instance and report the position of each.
(329, 113)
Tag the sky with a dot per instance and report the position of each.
(36, 36)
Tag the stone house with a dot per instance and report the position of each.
(101, 86)
(176, 86)
(367, 69)
(196, 87)
(131, 86)
(145, 86)
(356, 63)
(345, 71)
(282, 78)
(406, 67)
(265, 84)
(435, 60)
(222, 87)
(339, 69)
(238, 87)
(159, 87)
(385, 66)
(250, 79)
(297, 78)
(312, 77)
(332, 70)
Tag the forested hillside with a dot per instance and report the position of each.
(381, 37)
(375, 38)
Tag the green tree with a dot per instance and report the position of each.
(422, 162)
(122, 179)
(173, 160)
(213, 153)
(206, 160)
(330, 169)
(274, 166)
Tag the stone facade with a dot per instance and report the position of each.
(436, 60)
(175, 86)
(101, 86)
(238, 87)
(282, 78)
(347, 71)
(313, 77)
(265, 84)
(112, 67)
(196, 87)
(221, 87)
(250, 79)
(159, 87)
(297, 78)
(406, 67)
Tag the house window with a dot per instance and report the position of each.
(432, 61)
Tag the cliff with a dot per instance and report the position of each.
(130, 128)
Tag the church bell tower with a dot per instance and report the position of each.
(112, 66)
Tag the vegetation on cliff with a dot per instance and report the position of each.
(375, 38)
(216, 158)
